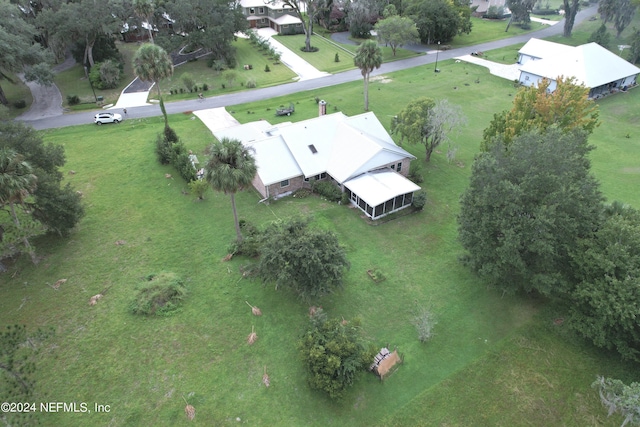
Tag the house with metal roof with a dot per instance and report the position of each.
(593, 66)
(276, 15)
(536, 49)
(355, 153)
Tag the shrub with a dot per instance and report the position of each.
(230, 76)
(205, 87)
(170, 134)
(20, 103)
(180, 161)
(251, 83)
(336, 58)
(105, 75)
(160, 295)
(424, 321)
(187, 81)
(301, 193)
(334, 352)
(344, 199)
(73, 99)
(494, 12)
(415, 173)
(198, 187)
(328, 190)
(419, 200)
(266, 68)
(163, 150)
(250, 245)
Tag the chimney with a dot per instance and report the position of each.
(322, 108)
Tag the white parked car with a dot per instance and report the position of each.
(101, 118)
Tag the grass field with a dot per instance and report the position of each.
(494, 360)
(324, 58)
(15, 91)
(73, 82)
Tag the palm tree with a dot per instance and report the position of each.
(229, 168)
(368, 57)
(16, 182)
(151, 63)
(144, 10)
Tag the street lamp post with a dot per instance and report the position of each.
(435, 69)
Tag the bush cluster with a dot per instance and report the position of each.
(73, 99)
(160, 295)
(419, 200)
(328, 190)
(170, 150)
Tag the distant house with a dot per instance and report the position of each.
(355, 153)
(261, 14)
(536, 49)
(599, 69)
(480, 7)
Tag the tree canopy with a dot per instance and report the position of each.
(334, 352)
(526, 208)
(306, 260)
(618, 397)
(49, 206)
(439, 20)
(151, 63)
(566, 108)
(18, 50)
(605, 302)
(230, 168)
(426, 122)
(396, 31)
(210, 24)
(368, 58)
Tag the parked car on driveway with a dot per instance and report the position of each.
(101, 118)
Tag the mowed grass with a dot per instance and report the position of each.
(16, 90)
(74, 82)
(487, 30)
(494, 360)
(324, 58)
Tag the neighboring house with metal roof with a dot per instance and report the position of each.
(355, 153)
(536, 49)
(480, 7)
(276, 15)
(597, 68)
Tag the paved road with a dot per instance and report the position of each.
(290, 88)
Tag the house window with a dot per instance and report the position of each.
(261, 10)
(393, 167)
(279, 10)
(399, 168)
(284, 183)
(311, 147)
(526, 77)
(252, 10)
(285, 26)
(323, 175)
(298, 25)
(263, 21)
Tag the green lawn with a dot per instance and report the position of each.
(15, 90)
(487, 30)
(494, 360)
(73, 81)
(324, 58)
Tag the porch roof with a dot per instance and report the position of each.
(379, 186)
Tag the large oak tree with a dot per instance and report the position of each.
(526, 208)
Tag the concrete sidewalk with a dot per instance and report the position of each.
(509, 72)
(302, 68)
